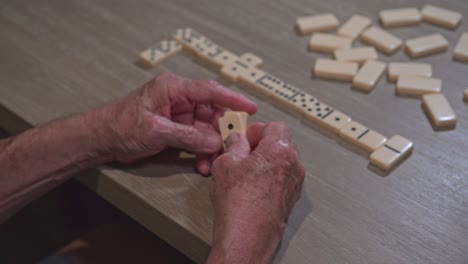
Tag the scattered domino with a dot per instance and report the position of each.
(391, 152)
(461, 49)
(335, 70)
(232, 122)
(440, 16)
(417, 86)
(358, 55)
(328, 43)
(439, 110)
(368, 75)
(426, 45)
(317, 23)
(396, 69)
(158, 53)
(354, 27)
(382, 40)
(362, 136)
(465, 95)
(400, 17)
(251, 60)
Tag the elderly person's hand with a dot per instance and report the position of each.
(255, 185)
(169, 111)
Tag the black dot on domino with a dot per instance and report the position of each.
(353, 129)
(338, 119)
(230, 126)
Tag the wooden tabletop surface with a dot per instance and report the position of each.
(61, 57)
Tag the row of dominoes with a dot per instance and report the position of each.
(245, 71)
(358, 27)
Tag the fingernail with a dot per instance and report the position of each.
(233, 138)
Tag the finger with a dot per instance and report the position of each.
(204, 162)
(275, 132)
(237, 146)
(183, 118)
(194, 139)
(211, 92)
(254, 134)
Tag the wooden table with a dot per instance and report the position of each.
(62, 57)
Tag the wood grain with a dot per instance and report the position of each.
(63, 57)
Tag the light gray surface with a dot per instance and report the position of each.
(64, 57)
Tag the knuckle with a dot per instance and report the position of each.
(279, 149)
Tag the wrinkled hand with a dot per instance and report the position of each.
(255, 185)
(170, 111)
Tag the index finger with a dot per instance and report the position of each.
(211, 92)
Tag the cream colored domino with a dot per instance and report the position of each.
(301, 104)
(426, 45)
(415, 86)
(362, 136)
(461, 49)
(317, 23)
(260, 82)
(335, 120)
(465, 95)
(206, 50)
(368, 75)
(251, 59)
(187, 155)
(391, 152)
(328, 43)
(284, 93)
(233, 71)
(335, 70)
(232, 122)
(354, 26)
(213, 54)
(400, 17)
(314, 110)
(382, 40)
(396, 69)
(358, 55)
(224, 58)
(187, 37)
(159, 52)
(439, 110)
(440, 16)
(325, 115)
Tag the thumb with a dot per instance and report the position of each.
(238, 146)
(191, 138)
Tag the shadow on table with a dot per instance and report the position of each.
(300, 212)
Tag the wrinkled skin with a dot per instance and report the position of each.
(170, 111)
(255, 185)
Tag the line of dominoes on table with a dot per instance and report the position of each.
(244, 70)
